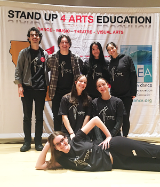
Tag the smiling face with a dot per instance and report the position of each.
(34, 38)
(112, 50)
(81, 84)
(61, 143)
(102, 86)
(64, 44)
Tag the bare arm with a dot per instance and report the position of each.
(68, 126)
(41, 162)
(97, 122)
(86, 120)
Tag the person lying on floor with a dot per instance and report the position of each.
(113, 153)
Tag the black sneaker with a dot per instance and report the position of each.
(39, 147)
(26, 147)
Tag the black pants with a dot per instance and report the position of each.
(134, 155)
(39, 97)
(57, 119)
(127, 101)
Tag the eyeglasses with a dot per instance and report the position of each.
(59, 143)
(64, 42)
(36, 35)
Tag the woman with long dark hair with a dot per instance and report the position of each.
(75, 107)
(95, 68)
(81, 154)
(123, 80)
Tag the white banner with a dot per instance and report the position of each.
(135, 31)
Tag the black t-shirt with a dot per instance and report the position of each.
(123, 77)
(65, 78)
(92, 75)
(108, 111)
(37, 70)
(85, 155)
(75, 113)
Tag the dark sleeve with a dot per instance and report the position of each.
(64, 104)
(19, 67)
(80, 64)
(66, 163)
(106, 74)
(119, 118)
(89, 108)
(94, 107)
(85, 68)
(80, 135)
(133, 78)
(117, 127)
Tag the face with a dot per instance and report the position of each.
(102, 86)
(34, 37)
(61, 143)
(81, 84)
(95, 51)
(64, 45)
(112, 51)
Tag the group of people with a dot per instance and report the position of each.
(86, 113)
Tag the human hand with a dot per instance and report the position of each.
(133, 97)
(20, 91)
(72, 136)
(105, 143)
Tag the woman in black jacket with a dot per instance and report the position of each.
(123, 80)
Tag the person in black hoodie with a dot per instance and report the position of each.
(95, 68)
(123, 80)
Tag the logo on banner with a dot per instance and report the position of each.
(142, 59)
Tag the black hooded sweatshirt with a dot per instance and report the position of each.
(123, 77)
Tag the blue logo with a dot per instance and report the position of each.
(142, 59)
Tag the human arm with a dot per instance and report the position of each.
(85, 68)
(65, 113)
(105, 71)
(68, 126)
(50, 60)
(117, 127)
(86, 120)
(20, 67)
(95, 121)
(41, 162)
(88, 112)
(133, 78)
(119, 108)
(81, 64)
(19, 72)
(20, 90)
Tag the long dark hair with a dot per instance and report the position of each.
(91, 58)
(74, 95)
(55, 154)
